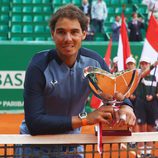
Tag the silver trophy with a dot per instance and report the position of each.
(112, 89)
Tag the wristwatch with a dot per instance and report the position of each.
(83, 117)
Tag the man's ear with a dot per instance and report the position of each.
(84, 33)
(52, 33)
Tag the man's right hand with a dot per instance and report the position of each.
(104, 114)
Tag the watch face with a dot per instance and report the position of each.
(83, 115)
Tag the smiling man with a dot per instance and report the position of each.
(55, 90)
(67, 37)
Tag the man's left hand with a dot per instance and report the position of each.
(125, 116)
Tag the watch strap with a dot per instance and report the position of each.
(83, 117)
(84, 122)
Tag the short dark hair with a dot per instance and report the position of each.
(69, 11)
(134, 13)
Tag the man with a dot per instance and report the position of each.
(135, 26)
(116, 28)
(131, 64)
(55, 90)
(98, 14)
(86, 7)
(152, 7)
(146, 104)
(90, 30)
(114, 65)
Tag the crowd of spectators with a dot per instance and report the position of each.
(97, 12)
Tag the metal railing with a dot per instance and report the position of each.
(75, 145)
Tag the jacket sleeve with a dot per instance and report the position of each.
(127, 102)
(37, 120)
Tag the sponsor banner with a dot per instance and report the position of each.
(11, 100)
(11, 91)
(12, 79)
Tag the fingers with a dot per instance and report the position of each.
(107, 116)
(131, 120)
(125, 116)
(106, 109)
(112, 117)
(120, 120)
(119, 96)
(120, 123)
(100, 115)
(123, 119)
(127, 119)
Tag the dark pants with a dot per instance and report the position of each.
(146, 111)
(98, 25)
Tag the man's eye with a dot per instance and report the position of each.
(61, 32)
(75, 32)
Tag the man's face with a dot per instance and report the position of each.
(144, 65)
(68, 36)
(117, 18)
(85, 1)
(135, 16)
(131, 65)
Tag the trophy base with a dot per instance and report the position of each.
(115, 131)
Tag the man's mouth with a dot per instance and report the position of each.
(68, 46)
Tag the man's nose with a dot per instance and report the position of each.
(68, 36)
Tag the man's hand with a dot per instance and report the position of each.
(104, 114)
(149, 97)
(125, 116)
(110, 116)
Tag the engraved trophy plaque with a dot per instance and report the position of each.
(112, 89)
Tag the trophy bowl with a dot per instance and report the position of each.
(112, 89)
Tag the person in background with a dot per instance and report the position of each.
(55, 89)
(98, 14)
(86, 8)
(152, 7)
(131, 65)
(146, 104)
(90, 31)
(135, 26)
(114, 67)
(116, 28)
